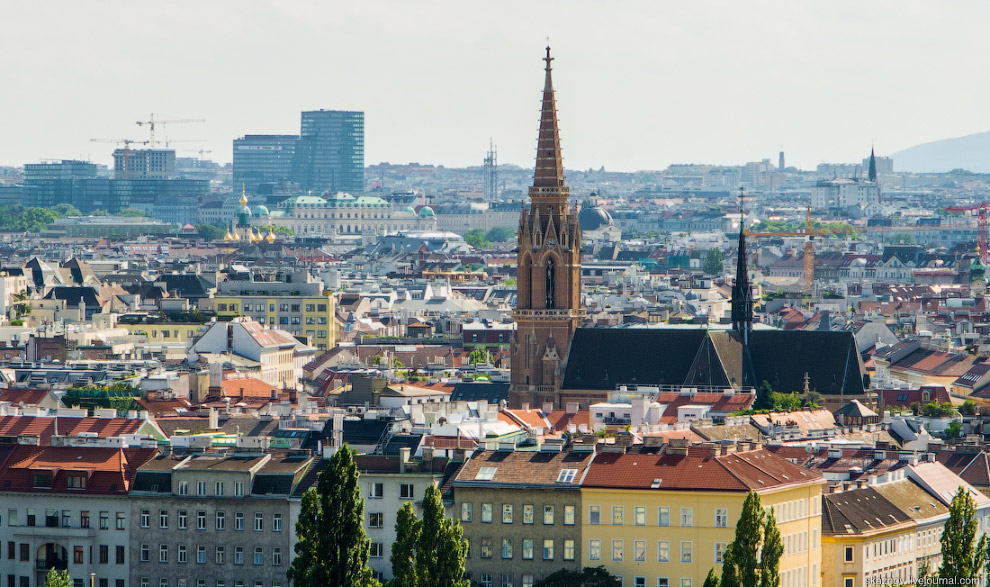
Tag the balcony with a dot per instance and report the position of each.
(56, 533)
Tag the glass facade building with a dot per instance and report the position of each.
(262, 159)
(56, 182)
(330, 152)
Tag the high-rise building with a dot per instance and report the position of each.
(490, 187)
(55, 182)
(262, 159)
(143, 163)
(548, 300)
(330, 152)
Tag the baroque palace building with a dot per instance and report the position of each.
(548, 304)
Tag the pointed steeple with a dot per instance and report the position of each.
(872, 175)
(742, 293)
(549, 163)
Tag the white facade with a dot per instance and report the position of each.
(844, 193)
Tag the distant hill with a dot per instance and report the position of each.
(971, 152)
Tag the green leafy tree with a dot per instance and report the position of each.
(407, 529)
(477, 356)
(764, 397)
(510, 282)
(952, 431)
(968, 408)
(210, 232)
(501, 234)
(332, 548)
(813, 399)
(713, 261)
(441, 549)
(773, 549)
(745, 547)
(712, 579)
(99, 212)
(130, 213)
(962, 556)
(65, 209)
(36, 219)
(586, 577)
(56, 578)
(785, 402)
(476, 238)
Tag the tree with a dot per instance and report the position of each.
(586, 577)
(130, 213)
(712, 579)
(99, 212)
(713, 261)
(441, 549)
(332, 548)
(773, 549)
(56, 578)
(477, 356)
(407, 530)
(501, 234)
(785, 402)
(476, 238)
(210, 232)
(968, 408)
(742, 564)
(764, 397)
(36, 219)
(960, 560)
(952, 431)
(65, 209)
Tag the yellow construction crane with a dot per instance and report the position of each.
(151, 123)
(809, 247)
(127, 149)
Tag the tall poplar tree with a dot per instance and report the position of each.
(752, 559)
(773, 549)
(441, 549)
(962, 556)
(407, 530)
(332, 549)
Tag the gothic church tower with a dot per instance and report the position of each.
(548, 282)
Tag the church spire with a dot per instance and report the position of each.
(742, 293)
(873, 166)
(549, 163)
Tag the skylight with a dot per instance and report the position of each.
(566, 475)
(485, 474)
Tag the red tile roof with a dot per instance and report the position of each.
(107, 471)
(44, 426)
(29, 397)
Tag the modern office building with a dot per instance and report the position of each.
(330, 151)
(143, 163)
(260, 159)
(55, 182)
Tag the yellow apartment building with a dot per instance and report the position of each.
(664, 516)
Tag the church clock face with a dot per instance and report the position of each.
(551, 243)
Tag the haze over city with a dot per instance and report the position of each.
(642, 84)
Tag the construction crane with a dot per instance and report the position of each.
(809, 247)
(151, 123)
(127, 149)
(980, 211)
(201, 152)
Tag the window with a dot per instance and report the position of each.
(595, 549)
(528, 514)
(145, 518)
(486, 547)
(83, 519)
(506, 513)
(548, 550)
(104, 554)
(639, 551)
(145, 553)
(663, 551)
(276, 522)
(617, 515)
(486, 513)
(163, 518)
(163, 553)
(527, 552)
(486, 580)
(485, 474)
(259, 522)
(78, 552)
(377, 491)
(25, 552)
(183, 488)
(506, 548)
(720, 552)
(42, 481)
(466, 512)
(568, 550)
(848, 582)
(376, 520)
(239, 489)
(594, 514)
(120, 520)
(640, 513)
(687, 517)
(506, 580)
(617, 550)
(721, 518)
(238, 555)
(687, 550)
(376, 550)
(221, 521)
(201, 555)
(201, 488)
(119, 557)
(182, 519)
(639, 582)
(406, 491)
(31, 518)
(259, 556)
(201, 520)
(686, 582)
(849, 554)
(239, 521)
(104, 520)
(548, 515)
(180, 554)
(221, 555)
(566, 475)
(569, 512)
(527, 581)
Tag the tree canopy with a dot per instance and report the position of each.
(586, 577)
(714, 263)
(501, 234)
(56, 578)
(752, 559)
(476, 238)
(962, 556)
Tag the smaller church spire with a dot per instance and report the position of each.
(549, 162)
(873, 166)
(742, 293)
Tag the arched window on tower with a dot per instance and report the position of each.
(551, 281)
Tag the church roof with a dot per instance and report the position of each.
(549, 163)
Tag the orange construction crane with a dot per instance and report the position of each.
(809, 247)
(127, 149)
(151, 122)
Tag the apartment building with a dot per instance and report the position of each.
(664, 516)
(277, 357)
(215, 520)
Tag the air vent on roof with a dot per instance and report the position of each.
(655, 484)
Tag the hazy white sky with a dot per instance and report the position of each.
(640, 85)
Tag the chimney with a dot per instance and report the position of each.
(404, 459)
(524, 406)
(548, 408)
(572, 407)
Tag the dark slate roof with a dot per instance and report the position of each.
(601, 358)
(153, 481)
(73, 295)
(857, 511)
(831, 359)
(360, 431)
(493, 392)
(410, 441)
(272, 484)
(185, 285)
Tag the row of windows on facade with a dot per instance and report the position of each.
(528, 513)
(63, 519)
(377, 491)
(182, 582)
(220, 520)
(15, 581)
(506, 580)
(22, 552)
(219, 555)
(281, 308)
(219, 488)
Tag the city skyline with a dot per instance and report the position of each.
(715, 83)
